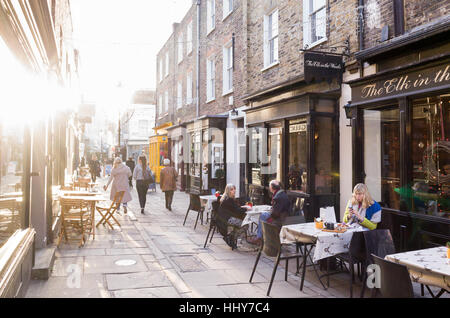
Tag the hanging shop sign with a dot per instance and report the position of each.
(323, 67)
(402, 84)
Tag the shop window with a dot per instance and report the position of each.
(195, 155)
(257, 147)
(274, 152)
(382, 155)
(11, 167)
(431, 156)
(324, 150)
(298, 155)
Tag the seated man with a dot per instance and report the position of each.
(281, 206)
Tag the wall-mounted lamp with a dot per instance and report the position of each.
(349, 112)
(234, 111)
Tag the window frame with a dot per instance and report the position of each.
(210, 16)
(179, 94)
(227, 56)
(189, 88)
(269, 38)
(180, 53)
(189, 38)
(307, 14)
(210, 79)
(226, 4)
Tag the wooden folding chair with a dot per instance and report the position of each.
(75, 214)
(108, 213)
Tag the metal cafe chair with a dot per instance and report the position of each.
(108, 213)
(394, 279)
(75, 214)
(212, 224)
(272, 247)
(355, 256)
(377, 242)
(194, 205)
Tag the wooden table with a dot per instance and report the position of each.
(429, 267)
(91, 200)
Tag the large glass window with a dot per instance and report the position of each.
(431, 156)
(257, 151)
(382, 155)
(11, 167)
(274, 152)
(324, 150)
(298, 155)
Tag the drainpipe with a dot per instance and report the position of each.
(361, 24)
(361, 34)
(198, 2)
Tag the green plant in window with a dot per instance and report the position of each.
(220, 173)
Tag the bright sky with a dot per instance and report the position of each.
(118, 41)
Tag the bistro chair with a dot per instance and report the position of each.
(108, 213)
(77, 215)
(272, 247)
(394, 279)
(379, 243)
(195, 205)
(212, 224)
(355, 256)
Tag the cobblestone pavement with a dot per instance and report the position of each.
(154, 255)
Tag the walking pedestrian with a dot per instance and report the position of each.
(168, 182)
(119, 178)
(94, 168)
(130, 163)
(143, 176)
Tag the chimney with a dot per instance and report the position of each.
(175, 26)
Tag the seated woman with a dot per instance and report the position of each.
(230, 216)
(362, 209)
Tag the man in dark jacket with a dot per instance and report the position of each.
(130, 163)
(281, 205)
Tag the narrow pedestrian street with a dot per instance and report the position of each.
(163, 258)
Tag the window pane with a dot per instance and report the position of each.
(320, 27)
(316, 4)
(324, 149)
(298, 159)
(382, 155)
(431, 157)
(256, 143)
(275, 154)
(11, 167)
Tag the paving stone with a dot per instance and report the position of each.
(137, 280)
(64, 266)
(128, 251)
(90, 286)
(80, 252)
(160, 292)
(106, 264)
(188, 263)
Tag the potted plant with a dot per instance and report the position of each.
(220, 174)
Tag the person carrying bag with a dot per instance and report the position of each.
(144, 178)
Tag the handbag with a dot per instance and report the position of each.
(148, 177)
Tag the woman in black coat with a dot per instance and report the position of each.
(230, 216)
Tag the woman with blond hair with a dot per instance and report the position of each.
(362, 209)
(119, 178)
(231, 215)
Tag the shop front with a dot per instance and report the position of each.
(401, 136)
(158, 149)
(205, 156)
(295, 140)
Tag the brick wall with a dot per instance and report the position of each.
(379, 13)
(212, 46)
(341, 25)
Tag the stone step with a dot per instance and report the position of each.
(43, 263)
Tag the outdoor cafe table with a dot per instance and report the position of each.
(326, 244)
(429, 267)
(91, 199)
(252, 216)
